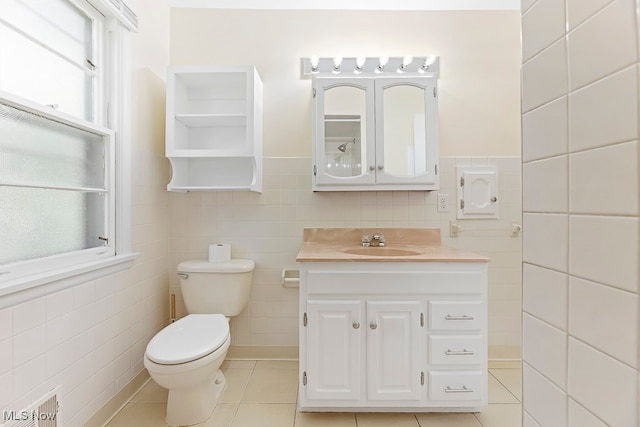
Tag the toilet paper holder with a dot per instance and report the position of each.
(290, 278)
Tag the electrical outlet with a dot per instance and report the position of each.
(443, 202)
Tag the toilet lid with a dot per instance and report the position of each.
(189, 338)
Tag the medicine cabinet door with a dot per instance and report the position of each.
(406, 119)
(344, 131)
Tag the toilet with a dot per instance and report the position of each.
(185, 356)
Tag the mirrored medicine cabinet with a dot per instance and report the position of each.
(375, 133)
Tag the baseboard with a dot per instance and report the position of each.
(117, 402)
(504, 357)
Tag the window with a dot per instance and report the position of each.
(58, 200)
(48, 54)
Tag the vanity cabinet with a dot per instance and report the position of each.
(393, 336)
(375, 133)
(338, 332)
(214, 128)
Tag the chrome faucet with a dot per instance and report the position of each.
(379, 238)
(367, 240)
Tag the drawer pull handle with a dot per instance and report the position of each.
(463, 352)
(464, 389)
(463, 317)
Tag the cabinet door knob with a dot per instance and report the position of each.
(494, 199)
(373, 325)
(372, 168)
(380, 167)
(356, 324)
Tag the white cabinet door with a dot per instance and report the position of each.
(406, 134)
(393, 350)
(478, 192)
(334, 343)
(344, 134)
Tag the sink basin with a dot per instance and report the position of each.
(377, 251)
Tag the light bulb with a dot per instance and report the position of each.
(314, 61)
(405, 62)
(337, 64)
(427, 63)
(382, 62)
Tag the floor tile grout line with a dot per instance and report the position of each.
(506, 388)
(254, 368)
(478, 419)
(235, 414)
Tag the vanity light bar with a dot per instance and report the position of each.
(418, 65)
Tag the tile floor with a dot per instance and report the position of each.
(264, 393)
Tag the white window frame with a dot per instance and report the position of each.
(30, 279)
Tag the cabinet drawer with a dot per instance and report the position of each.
(450, 385)
(455, 315)
(455, 350)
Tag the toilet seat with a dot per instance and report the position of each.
(190, 338)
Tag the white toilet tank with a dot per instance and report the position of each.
(216, 287)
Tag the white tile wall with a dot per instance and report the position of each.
(544, 77)
(527, 421)
(545, 185)
(542, 400)
(580, 417)
(545, 295)
(544, 131)
(546, 349)
(546, 240)
(591, 319)
(605, 111)
(28, 315)
(594, 250)
(604, 385)
(579, 10)
(268, 228)
(605, 250)
(596, 173)
(526, 4)
(544, 22)
(610, 36)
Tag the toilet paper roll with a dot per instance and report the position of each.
(219, 252)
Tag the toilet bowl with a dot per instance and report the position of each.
(185, 357)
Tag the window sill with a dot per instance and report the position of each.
(32, 287)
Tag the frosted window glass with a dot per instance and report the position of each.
(70, 213)
(38, 151)
(36, 222)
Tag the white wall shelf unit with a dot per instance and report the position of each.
(214, 128)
